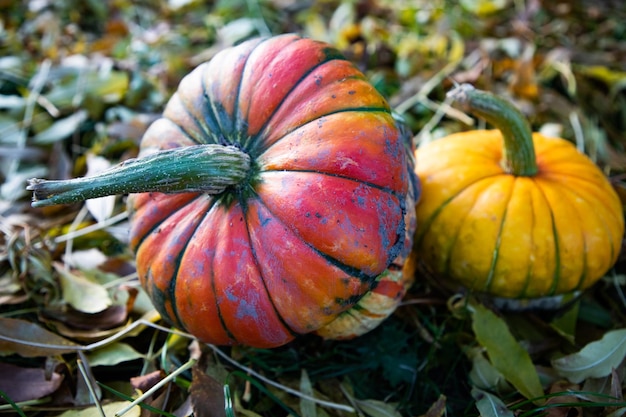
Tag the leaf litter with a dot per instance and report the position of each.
(83, 80)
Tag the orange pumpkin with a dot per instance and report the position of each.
(514, 213)
(281, 182)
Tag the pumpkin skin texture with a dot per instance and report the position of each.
(391, 286)
(516, 236)
(318, 218)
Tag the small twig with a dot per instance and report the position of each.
(96, 345)
(87, 378)
(157, 386)
(37, 84)
(429, 86)
(97, 226)
(69, 247)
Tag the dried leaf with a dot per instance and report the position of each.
(438, 409)
(82, 294)
(24, 384)
(33, 340)
(562, 388)
(109, 318)
(505, 353)
(489, 405)
(595, 360)
(144, 382)
(207, 395)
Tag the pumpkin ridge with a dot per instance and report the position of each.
(594, 186)
(454, 238)
(422, 230)
(201, 128)
(183, 130)
(229, 334)
(177, 262)
(157, 224)
(608, 230)
(349, 270)
(208, 111)
(244, 209)
(256, 152)
(387, 190)
(557, 253)
(496, 251)
(531, 265)
(296, 85)
(239, 120)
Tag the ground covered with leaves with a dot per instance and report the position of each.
(80, 81)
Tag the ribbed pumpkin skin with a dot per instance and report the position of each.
(514, 236)
(391, 286)
(319, 218)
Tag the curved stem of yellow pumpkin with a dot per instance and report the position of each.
(519, 151)
(201, 168)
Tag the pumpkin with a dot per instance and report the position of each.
(267, 199)
(513, 213)
(392, 285)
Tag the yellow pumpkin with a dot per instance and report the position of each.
(514, 213)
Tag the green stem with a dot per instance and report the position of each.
(201, 168)
(519, 151)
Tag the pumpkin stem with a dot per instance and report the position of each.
(201, 168)
(519, 151)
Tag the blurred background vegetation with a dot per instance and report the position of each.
(80, 81)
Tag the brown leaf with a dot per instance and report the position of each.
(113, 316)
(144, 382)
(207, 395)
(563, 411)
(24, 384)
(34, 340)
(524, 80)
(438, 408)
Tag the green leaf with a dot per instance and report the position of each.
(61, 128)
(595, 360)
(81, 293)
(565, 324)
(113, 354)
(504, 352)
(307, 407)
(107, 86)
(489, 405)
